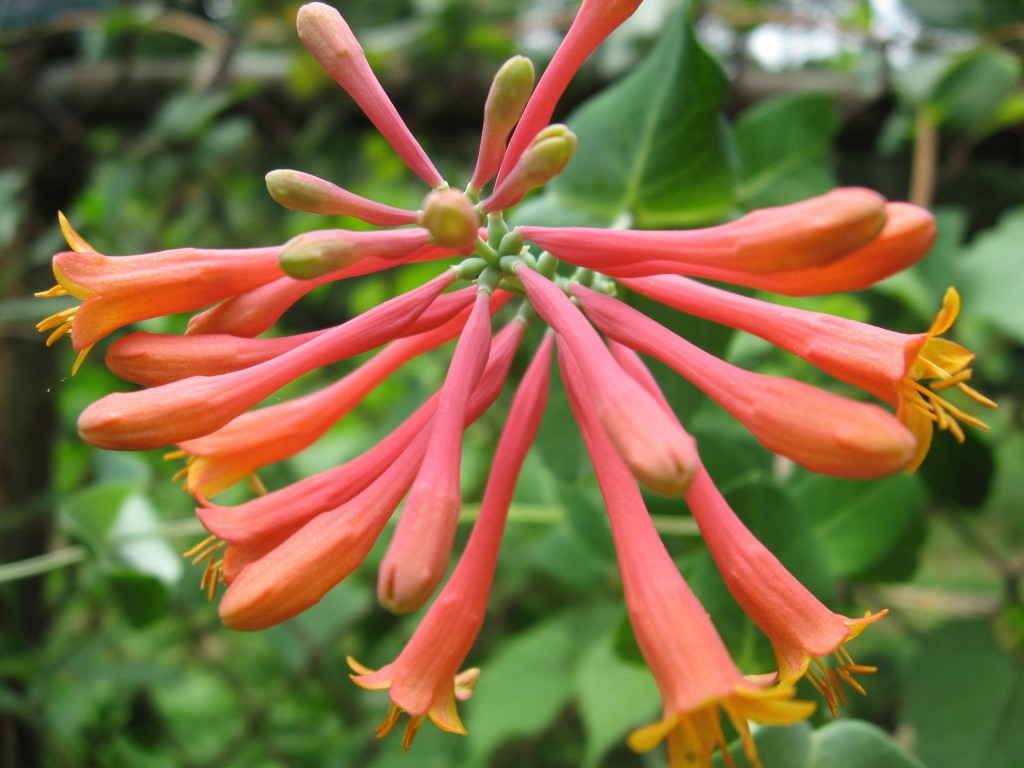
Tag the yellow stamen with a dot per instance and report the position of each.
(389, 721)
(828, 680)
(213, 573)
(411, 729)
(80, 359)
(57, 290)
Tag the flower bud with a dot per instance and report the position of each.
(298, 191)
(506, 100)
(313, 254)
(450, 218)
(546, 157)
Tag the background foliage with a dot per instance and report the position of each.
(152, 123)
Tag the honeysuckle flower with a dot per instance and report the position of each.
(888, 364)
(820, 430)
(506, 100)
(802, 630)
(595, 20)
(661, 458)
(280, 552)
(796, 236)
(118, 290)
(298, 191)
(695, 674)
(196, 406)
(418, 555)
(326, 35)
(235, 451)
(424, 681)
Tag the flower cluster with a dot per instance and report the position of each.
(280, 552)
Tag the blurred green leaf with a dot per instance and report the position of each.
(863, 526)
(637, 152)
(613, 697)
(981, 15)
(141, 597)
(970, 714)
(972, 91)
(990, 277)
(784, 147)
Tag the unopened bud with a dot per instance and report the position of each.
(546, 157)
(298, 191)
(313, 254)
(506, 101)
(451, 219)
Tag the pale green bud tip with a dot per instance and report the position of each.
(312, 255)
(451, 219)
(511, 89)
(299, 191)
(548, 155)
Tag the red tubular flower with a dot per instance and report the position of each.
(694, 672)
(595, 20)
(822, 431)
(119, 290)
(298, 191)
(510, 91)
(424, 681)
(418, 555)
(885, 363)
(326, 35)
(274, 516)
(326, 251)
(257, 438)
(800, 628)
(659, 456)
(196, 406)
(797, 236)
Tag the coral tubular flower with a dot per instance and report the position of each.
(658, 454)
(257, 438)
(423, 680)
(275, 514)
(118, 290)
(822, 431)
(298, 191)
(326, 35)
(694, 672)
(325, 251)
(196, 406)
(546, 157)
(802, 631)
(887, 364)
(595, 20)
(506, 100)
(797, 236)
(418, 555)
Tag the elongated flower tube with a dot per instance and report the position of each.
(595, 20)
(659, 456)
(694, 672)
(801, 235)
(118, 290)
(510, 91)
(424, 680)
(160, 358)
(822, 431)
(802, 630)
(546, 157)
(326, 35)
(257, 438)
(198, 405)
(276, 514)
(418, 555)
(887, 364)
(298, 191)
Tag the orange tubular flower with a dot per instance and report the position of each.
(887, 364)
(119, 290)
(424, 681)
(822, 431)
(193, 407)
(801, 629)
(695, 674)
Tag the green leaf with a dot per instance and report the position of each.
(865, 530)
(971, 92)
(991, 281)
(965, 699)
(613, 697)
(980, 15)
(525, 685)
(141, 597)
(653, 149)
(784, 149)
